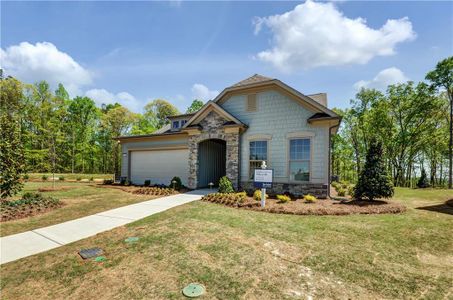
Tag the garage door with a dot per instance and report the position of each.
(159, 166)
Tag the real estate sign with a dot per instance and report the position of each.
(263, 178)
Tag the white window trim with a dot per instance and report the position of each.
(288, 157)
(257, 138)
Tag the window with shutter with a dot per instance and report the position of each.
(251, 102)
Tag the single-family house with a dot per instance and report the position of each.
(257, 119)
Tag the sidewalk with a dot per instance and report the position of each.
(27, 243)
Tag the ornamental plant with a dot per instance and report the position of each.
(423, 180)
(283, 198)
(310, 198)
(373, 181)
(177, 183)
(257, 195)
(225, 185)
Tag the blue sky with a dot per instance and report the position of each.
(133, 52)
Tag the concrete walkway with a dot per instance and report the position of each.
(24, 244)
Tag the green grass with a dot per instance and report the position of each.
(81, 199)
(240, 254)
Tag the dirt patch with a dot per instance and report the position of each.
(56, 189)
(321, 207)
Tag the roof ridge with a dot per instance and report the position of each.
(256, 78)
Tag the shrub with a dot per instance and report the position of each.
(91, 179)
(61, 178)
(341, 192)
(310, 198)
(351, 190)
(123, 181)
(147, 182)
(108, 181)
(336, 185)
(78, 178)
(257, 195)
(423, 180)
(373, 180)
(225, 185)
(177, 183)
(26, 177)
(44, 177)
(127, 182)
(283, 198)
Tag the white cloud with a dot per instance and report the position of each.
(317, 34)
(383, 79)
(43, 61)
(102, 96)
(200, 91)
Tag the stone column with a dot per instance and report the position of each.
(232, 158)
(193, 161)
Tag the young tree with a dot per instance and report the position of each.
(158, 111)
(442, 76)
(423, 180)
(195, 106)
(12, 163)
(373, 181)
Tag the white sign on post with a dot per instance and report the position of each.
(263, 179)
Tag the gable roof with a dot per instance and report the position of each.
(251, 80)
(207, 108)
(258, 81)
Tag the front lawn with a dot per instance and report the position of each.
(242, 254)
(80, 199)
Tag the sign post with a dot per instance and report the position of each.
(263, 179)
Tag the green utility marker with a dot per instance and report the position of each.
(100, 258)
(131, 239)
(193, 290)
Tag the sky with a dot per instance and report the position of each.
(134, 52)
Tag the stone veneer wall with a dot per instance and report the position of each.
(318, 190)
(212, 128)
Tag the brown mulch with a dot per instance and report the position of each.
(449, 202)
(51, 189)
(155, 191)
(320, 207)
(25, 211)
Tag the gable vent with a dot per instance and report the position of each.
(251, 102)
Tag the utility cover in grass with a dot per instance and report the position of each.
(100, 258)
(89, 253)
(131, 239)
(193, 290)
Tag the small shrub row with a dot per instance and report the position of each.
(231, 199)
(283, 198)
(157, 191)
(310, 198)
(257, 195)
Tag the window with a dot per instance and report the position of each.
(183, 122)
(258, 153)
(251, 102)
(175, 124)
(299, 159)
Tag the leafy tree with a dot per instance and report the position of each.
(141, 125)
(158, 111)
(11, 147)
(442, 76)
(423, 180)
(195, 106)
(373, 181)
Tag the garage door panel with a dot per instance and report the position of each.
(159, 166)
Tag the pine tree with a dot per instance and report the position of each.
(423, 180)
(373, 180)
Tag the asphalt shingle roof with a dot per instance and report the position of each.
(251, 80)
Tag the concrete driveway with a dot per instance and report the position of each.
(27, 243)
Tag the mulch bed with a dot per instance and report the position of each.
(14, 212)
(321, 207)
(51, 189)
(449, 202)
(154, 191)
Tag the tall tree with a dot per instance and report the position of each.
(158, 111)
(195, 106)
(442, 76)
(12, 163)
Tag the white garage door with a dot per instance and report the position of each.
(159, 166)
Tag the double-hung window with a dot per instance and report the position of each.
(258, 154)
(299, 159)
(176, 124)
(183, 122)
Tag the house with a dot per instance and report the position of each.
(257, 119)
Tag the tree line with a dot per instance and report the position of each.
(71, 135)
(412, 121)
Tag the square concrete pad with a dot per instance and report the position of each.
(23, 244)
